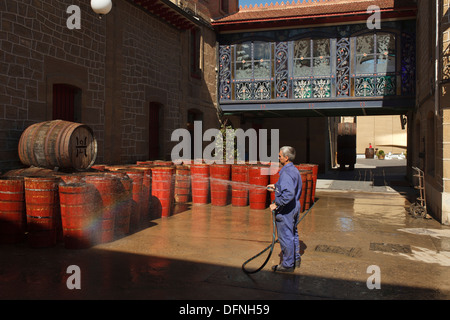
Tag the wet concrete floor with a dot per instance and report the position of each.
(197, 254)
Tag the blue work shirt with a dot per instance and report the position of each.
(288, 189)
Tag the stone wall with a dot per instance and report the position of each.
(122, 63)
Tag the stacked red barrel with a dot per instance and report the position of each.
(182, 184)
(81, 215)
(13, 222)
(137, 177)
(106, 187)
(220, 177)
(239, 186)
(42, 206)
(200, 183)
(258, 178)
(162, 190)
(108, 202)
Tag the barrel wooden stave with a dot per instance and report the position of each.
(58, 143)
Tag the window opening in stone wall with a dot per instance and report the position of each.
(224, 6)
(195, 53)
(66, 102)
(154, 130)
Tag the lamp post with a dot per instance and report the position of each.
(101, 7)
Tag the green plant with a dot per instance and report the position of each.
(227, 131)
(380, 153)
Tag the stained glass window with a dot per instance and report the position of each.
(385, 52)
(365, 54)
(243, 61)
(312, 57)
(375, 53)
(253, 60)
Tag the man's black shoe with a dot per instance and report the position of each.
(280, 268)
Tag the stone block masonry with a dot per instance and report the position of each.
(121, 64)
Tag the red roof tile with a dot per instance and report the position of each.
(318, 8)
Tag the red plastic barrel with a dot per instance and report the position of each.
(107, 189)
(162, 190)
(258, 182)
(315, 169)
(81, 214)
(239, 187)
(200, 183)
(124, 204)
(182, 183)
(43, 214)
(219, 179)
(137, 177)
(13, 220)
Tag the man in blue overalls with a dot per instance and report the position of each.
(287, 209)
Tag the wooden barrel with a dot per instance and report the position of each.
(182, 183)
(304, 175)
(43, 214)
(58, 143)
(29, 172)
(80, 214)
(219, 179)
(12, 210)
(258, 191)
(162, 163)
(347, 129)
(107, 189)
(146, 200)
(137, 177)
(200, 183)
(124, 204)
(315, 171)
(162, 190)
(239, 185)
(370, 153)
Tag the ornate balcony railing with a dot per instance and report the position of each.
(376, 64)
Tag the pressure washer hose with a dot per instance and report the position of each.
(271, 246)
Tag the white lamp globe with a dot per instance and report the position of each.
(101, 6)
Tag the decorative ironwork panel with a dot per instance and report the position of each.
(244, 90)
(386, 86)
(225, 73)
(408, 71)
(281, 71)
(365, 87)
(262, 90)
(302, 89)
(321, 88)
(364, 65)
(343, 68)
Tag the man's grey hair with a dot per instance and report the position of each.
(288, 152)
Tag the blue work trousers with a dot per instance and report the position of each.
(288, 237)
